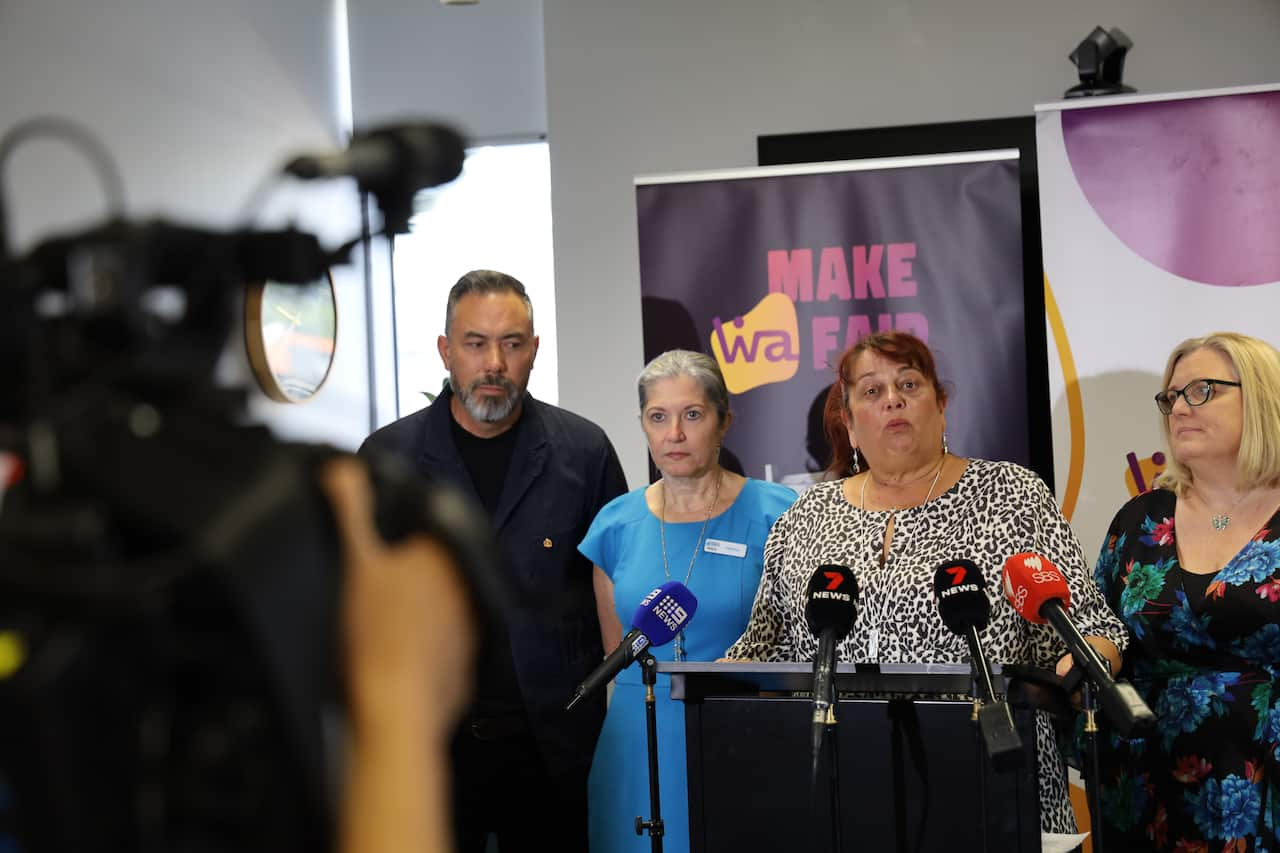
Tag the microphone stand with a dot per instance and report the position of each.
(1092, 781)
(833, 775)
(981, 742)
(649, 677)
(831, 749)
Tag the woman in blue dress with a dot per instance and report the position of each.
(1193, 569)
(698, 524)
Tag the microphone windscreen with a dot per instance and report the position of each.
(960, 590)
(396, 157)
(1029, 581)
(665, 612)
(437, 152)
(831, 601)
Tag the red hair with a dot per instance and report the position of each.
(902, 347)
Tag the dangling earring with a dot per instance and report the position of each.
(945, 451)
(855, 460)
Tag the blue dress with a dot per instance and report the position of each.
(1206, 658)
(624, 541)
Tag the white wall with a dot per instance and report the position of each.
(480, 66)
(660, 86)
(197, 102)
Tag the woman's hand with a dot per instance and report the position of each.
(410, 640)
(410, 637)
(1104, 647)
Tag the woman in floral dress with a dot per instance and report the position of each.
(1193, 568)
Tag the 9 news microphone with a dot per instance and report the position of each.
(661, 615)
(830, 607)
(960, 590)
(1039, 593)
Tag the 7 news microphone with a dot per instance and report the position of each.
(830, 608)
(960, 590)
(662, 614)
(1039, 593)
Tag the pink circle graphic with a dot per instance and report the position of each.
(1193, 186)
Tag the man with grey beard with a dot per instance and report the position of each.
(520, 763)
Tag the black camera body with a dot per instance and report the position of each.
(176, 605)
(170, 576)
(176, 699)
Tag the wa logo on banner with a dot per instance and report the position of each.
(1140, 474)
(760, 347)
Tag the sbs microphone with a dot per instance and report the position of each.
(662, 614)
(830, 608)
(1039, 593)
(960, 591)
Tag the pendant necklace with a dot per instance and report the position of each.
(873, 636)
(662, 533)
(1221, 522)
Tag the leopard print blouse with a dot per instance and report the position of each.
(995, 510)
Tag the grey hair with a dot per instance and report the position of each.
(700, 367)
(482, 282)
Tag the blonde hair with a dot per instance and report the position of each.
(1257, 367)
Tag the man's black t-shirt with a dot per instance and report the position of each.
(487, 461)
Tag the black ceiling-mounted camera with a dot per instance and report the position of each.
(1099, 60)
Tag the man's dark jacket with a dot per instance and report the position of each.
(563, 470)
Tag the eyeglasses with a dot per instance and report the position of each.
(1197, 392)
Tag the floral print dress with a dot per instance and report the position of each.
(1205, 654)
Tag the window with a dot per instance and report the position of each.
(496, 215)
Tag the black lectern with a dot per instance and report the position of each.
(913, 774)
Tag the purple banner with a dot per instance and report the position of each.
(776, 274)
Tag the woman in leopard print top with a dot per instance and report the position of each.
(909, 507)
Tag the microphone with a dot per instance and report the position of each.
(391, 163)
(830, 608)
(424, 155)
(960, 590)
(661, 615)
(1037, 590)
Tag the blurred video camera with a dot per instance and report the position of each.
(169, 573)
